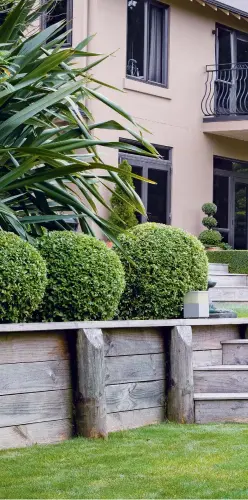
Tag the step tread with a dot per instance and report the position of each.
(226, 274)
(214, 396)
(221, 368)
(245, 287)
(240, 342)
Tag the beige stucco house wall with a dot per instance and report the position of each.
(173, 115)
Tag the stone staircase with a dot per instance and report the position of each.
(221, 389)
(229, 288)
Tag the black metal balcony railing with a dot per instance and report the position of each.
(226, 90)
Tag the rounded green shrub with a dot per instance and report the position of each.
(164, 263)
(210, 238)
(209, 222)
(22, 279)
(85, 278)
(209, 208)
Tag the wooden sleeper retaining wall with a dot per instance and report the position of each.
(58, 380)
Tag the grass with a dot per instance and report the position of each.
(165, 461)
(240, 309)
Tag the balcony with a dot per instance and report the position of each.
(225, 101)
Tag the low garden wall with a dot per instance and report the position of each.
(63, 379)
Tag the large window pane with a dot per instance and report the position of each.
(135, 38)
(57, 13)
(60, 11)
(224, 46)
(240, 235)
(157, 196)
(221, 199)
(156, 43)
(222, 163)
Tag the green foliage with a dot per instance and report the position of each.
(210, 238)
(44, 119)
(209, 222)
(123, 215)
(85, 278)
(209, 208)
(159, 461)
(22, 278)
(236, 259)
(168, 262)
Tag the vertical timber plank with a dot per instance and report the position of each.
(91, 403)
(181, 391)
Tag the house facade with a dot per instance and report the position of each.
(182, 67)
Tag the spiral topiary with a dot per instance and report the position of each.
(210, 237)
(167, 263)
(22, 279)
(85, 278)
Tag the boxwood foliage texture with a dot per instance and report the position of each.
(23, 279)
(85, 278)
(168, 262)
(236, 259)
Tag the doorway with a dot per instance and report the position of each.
(231, 197)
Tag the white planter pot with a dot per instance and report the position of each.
(196, 305)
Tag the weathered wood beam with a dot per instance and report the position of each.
(181, 388)
(91, 402)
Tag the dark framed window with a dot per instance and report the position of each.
(156, 197)
(62, 10)
(147, 41)
(231, 197)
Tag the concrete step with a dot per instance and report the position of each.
(218, 268)
(229, 279)
(235, 352)
(221, 408)
(229, 294)
(221, 379)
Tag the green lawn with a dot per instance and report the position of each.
(240, 309)
(166, 461)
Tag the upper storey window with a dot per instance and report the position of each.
(147, 41)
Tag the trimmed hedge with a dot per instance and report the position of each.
(85, 278)
(237, 260)
(168, 262)
(22, 279)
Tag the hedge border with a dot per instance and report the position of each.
(236, 259)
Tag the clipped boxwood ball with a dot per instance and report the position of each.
(209, 208)
(85, 278)
(22, 279)
(168, 262)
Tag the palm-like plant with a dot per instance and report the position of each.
(44, 119)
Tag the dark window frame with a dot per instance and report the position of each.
(69, 20)
(165, 48)
(147, 163)
(233, 177)
(235, 35)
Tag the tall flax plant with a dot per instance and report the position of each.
(44, 121)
